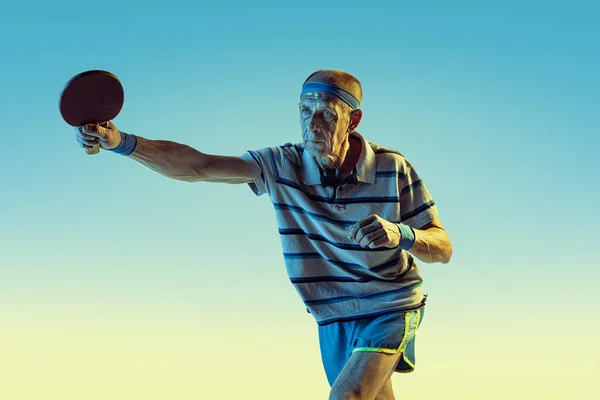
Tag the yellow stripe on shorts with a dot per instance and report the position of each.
(405, 339)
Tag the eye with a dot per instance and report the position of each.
(328, 115)
(305, 112)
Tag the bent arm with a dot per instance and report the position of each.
(432, 244)
(184, 163)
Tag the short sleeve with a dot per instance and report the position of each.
(416, 204)
(265, 165)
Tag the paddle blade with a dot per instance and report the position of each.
(91, 97)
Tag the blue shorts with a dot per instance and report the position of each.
(389, 333)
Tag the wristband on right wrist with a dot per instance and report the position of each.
(127, 145)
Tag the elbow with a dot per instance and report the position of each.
(447, 253)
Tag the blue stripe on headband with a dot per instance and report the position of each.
(344, 95)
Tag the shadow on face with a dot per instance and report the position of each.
(324, 122)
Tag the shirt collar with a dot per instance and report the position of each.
(365, 166)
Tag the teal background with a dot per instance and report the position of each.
(117, 282)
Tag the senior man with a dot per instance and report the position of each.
(351, 215)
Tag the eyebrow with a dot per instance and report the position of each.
(332, 103)
(330, 107)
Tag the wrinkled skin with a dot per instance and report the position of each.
(326, 125)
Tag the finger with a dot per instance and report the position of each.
(366, 221)
(381, 242)
(363, 222)
(368, 239)
(87, 140)
(104, 130)
(84, 145)
(106, 124)
(366, 230)
(90, 149)
(80, 133)
(94, 130)
(88, 129)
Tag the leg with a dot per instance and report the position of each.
(386, 392)
(364, 376)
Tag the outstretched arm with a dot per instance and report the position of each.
(171, 159)
(184, 163)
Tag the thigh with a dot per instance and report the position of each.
(335, 345)
(364, 375)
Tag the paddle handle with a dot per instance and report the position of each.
(93, 150)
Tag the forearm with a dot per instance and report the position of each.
(432, 246)
(171, 159)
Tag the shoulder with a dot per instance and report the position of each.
(288, 152)
(291, 153)
(389, 158)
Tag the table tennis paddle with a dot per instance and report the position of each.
(91, 97)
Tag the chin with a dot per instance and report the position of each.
(314, 150)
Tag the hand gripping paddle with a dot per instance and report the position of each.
(91, 97)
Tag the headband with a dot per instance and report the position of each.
(337, 91)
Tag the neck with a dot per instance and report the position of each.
(342, 164)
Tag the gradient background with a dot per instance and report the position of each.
(117, 283)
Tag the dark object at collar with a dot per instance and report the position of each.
(334, 181)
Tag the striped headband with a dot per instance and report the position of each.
(337, 91)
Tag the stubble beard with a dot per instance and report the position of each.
(332, 163)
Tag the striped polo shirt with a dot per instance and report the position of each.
(337, 279)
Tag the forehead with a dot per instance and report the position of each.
(319, 98)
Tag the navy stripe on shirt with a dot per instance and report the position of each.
(411, 187)
(396, 279)
(313, 236)
(339, 299)
(329, 200)
(300, 210)
(300, 256)
(343, 264)
(390, 174)
(354, 200)
(416, 211)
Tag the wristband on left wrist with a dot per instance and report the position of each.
(407, 236)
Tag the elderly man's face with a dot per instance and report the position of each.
(324, 124)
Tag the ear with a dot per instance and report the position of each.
(355, 118)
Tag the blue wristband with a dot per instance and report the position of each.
(407, 236)
(127, 145)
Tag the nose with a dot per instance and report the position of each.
(314, 125)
